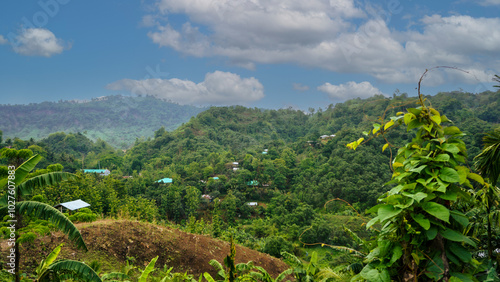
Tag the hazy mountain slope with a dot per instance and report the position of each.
(116, 119)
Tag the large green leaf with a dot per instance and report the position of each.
(48, 260)
(387, 211)
(452, 130)
(47, 179)
(147, 270)
(76, 268)
(22, 171)
(422, 221)
(460, 218)
(437, 210)
(452, 148)
(44, 211)
(456, 236)
(448, 174)
(462, 253)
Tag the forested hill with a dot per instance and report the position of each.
(118, 120)
(297, 158)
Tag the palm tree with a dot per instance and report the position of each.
(488, 161)
(24, 185)
(488, 164)
(51, 270)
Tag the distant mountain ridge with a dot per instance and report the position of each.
(118, 120)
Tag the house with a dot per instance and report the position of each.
(324, 136)
(165, 180)
(253, 183)
(265, 151)
(101, 172)
(72, 206)
(253, 204)
(206, 196)
(215, 178)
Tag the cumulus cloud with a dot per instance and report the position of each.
(339, 35)
(218, 88)
(3, 40)
(300, 87)
(38, 42)
(349, 90)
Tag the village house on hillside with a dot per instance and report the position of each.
(72, 206)
(101, 172)
(165, 180)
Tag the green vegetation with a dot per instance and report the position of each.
(312, 198)
(118, 120)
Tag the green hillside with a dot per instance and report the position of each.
(118, 120)
(311, 191)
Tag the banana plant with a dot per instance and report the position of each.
(52, 270)
(150, 268)
(23, 184)
(264, 276)
(303, 271)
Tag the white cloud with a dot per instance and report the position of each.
(38, 42)
(300, 87)
(3, 40)
(324, 34)
(218, 88)
(489, 2)
(349, 90)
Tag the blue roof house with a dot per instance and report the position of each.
(165, 180)
(102, 172)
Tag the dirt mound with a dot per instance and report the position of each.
(111, 242)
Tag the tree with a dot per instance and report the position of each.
(216, 220)
(488, 164)
(23, 184)
(192, 200)
(488, 161)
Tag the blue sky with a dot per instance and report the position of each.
(262, 53)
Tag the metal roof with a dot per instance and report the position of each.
(165, 180)
(95, 170)
(74, 205)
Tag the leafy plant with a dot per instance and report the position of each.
(150, 268)
(24, 185)
(422, 233)
(52, 270)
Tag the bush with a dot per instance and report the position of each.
(275, 245)
(83, 215)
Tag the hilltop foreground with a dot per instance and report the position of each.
(111, 242)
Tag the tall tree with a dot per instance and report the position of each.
(488, 165)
